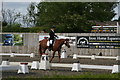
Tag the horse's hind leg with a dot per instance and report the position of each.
(44, 50)
(59, 55)
(52, 56)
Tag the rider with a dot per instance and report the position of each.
(52, 37)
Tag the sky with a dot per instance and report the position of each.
(117, 11)
(18, 6)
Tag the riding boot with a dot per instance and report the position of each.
(50, 47)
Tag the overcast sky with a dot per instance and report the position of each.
(18, 6)
(117, 10)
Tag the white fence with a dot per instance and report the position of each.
(114, 68)
(9, 67)
(16, 54)
(21, 67)
(15, 66)
(83, 66)
(75, 56)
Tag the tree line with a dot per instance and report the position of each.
(68, 17)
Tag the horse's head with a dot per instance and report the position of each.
(66, 42)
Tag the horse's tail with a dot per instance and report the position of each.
(40, 51)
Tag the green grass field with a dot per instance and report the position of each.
(86, 76)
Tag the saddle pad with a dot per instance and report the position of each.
(49, 42)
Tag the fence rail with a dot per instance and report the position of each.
(75, 56)
(114, 68)
(17, 54)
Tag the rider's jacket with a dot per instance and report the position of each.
(52, 35)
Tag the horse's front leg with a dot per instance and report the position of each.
(40, 51)
(52, 56)
(59, 55)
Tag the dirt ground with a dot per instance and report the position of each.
(57, 71)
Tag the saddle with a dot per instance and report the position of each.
(50, 42)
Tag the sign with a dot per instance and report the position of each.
(98, 42)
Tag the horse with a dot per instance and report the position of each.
(56, 47)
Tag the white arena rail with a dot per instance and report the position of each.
(9, 67)
(114, 68)
(83, 66)
(75, 56)
(105, 57)
(70, 65)
(21, 67)
(17, 54)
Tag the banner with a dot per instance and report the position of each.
(98, 42)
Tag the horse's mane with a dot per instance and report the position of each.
(63, 39)
(56, 40)
(60, 39)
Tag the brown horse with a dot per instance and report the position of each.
(56, 47)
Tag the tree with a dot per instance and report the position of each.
(72, 22)
(10, 16)
(73, 17)
(26, 20)
(32, 14)
(100, 11)
(17, 37)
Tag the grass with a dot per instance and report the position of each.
(86, 76)
(19, 44)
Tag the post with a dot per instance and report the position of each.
(76, 66)
(118, 28)
(35, 65)
(93, 57)
(63, 54)
(12, 55)
(74, 56)
(23, 68)
(5, 63)
(116, 69)
(32, 55)
(1, 16)
(44, 63)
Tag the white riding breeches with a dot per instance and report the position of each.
(51, 41)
